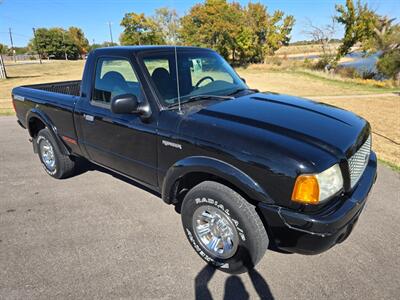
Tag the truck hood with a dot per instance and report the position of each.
(322, 125)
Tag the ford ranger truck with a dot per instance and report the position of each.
(248, 171)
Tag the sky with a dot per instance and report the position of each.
(93, 15)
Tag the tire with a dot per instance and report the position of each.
(234, 218)
(54, 162)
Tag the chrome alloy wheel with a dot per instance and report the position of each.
(215, 231)
(47, 154)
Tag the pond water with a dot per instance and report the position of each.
(361, 62)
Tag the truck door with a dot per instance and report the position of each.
(122, 142)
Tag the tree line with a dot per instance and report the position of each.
(55, 42)
(59, 43)
(248, 34)
(242, 34)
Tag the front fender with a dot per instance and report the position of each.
(214, 167)
(36, 113)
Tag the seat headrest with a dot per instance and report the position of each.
(114, 77)
(160, 74)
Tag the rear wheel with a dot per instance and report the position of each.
(223, 228)
(55, 163)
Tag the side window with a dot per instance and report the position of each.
(114, 76)
(162, 77)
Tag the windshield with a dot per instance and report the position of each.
(201, 72)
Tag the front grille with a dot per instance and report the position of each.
(358, 162)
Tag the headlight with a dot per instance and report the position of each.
(316, 188)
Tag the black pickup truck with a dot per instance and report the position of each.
(247, 170)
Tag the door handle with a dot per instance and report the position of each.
(88, 118)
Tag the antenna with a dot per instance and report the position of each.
(177, 80)
(176, 70)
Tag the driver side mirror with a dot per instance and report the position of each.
(124, 104)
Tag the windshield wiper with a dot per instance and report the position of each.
(243, 89)
(202, 97)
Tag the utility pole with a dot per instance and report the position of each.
(12, 45)
(36, 44)
(65, 47)
(109, 27)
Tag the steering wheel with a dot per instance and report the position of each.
(201, 80)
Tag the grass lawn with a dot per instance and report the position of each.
(383, 114)
(31, 73)
(381, 111)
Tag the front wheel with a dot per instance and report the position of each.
(223, 228)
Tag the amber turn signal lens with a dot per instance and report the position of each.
(306, 190)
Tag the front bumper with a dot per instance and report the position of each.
(314, 233)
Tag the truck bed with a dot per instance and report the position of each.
(64, 87)
(56, 101)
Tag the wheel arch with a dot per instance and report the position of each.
(190, 171)
(37, 120)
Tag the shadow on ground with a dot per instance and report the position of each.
(234, 287)
(84, 166)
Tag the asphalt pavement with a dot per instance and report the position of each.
(97, 236)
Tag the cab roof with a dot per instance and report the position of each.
(124, 49)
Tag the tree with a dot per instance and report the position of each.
(102, 45)
(389, 65)
(278, 31)
(214, 24)
(386, 41)
(55, 43)
(140, 30)
(323, 36)
(244, 33)
(256, 26)
(168, 21)
(20, 50)
(4, 49)
(385, 37)
(359, 22)
(79, 39)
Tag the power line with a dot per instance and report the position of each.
(15, 34)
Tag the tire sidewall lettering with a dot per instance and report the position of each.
(199, 251)
(209, 201)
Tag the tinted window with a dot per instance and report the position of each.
(162, 75)
(200, 73)
(114, 77)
